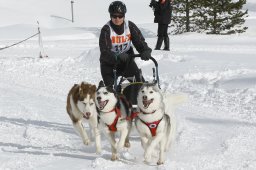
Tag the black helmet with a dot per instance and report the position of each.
(117, 7)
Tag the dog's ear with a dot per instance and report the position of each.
(82, 86)
(155, 86)
(155, 83)
(93, 88)
(101, 84)
(80, 91)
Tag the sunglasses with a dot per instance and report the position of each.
(117, 16)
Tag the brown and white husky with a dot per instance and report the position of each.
(81, 106)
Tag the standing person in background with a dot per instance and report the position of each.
(115, 41)
(162, 11)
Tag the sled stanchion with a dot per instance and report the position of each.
(157, 77)
(156, 65)
(131, 89)
(115, 79)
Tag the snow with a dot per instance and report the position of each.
(216, 127)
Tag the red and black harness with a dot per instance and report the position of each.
(117, 110)
(112, 127)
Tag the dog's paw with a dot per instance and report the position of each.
(160, 162)
(87, 141)
(114, 157)
(98, 151)
(127, 144)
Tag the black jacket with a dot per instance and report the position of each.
(162, 12)
(138, 41)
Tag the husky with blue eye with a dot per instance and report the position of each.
(155, 124)
(81, 106)
(113, 113)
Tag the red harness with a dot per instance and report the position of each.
(112, 127)
(152, 126)
(133, 114)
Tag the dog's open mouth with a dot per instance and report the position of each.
(102, 104)
(146, 103)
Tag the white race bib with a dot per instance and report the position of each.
(120, 43)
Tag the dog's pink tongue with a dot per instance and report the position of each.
(102, 104)
(146, 103)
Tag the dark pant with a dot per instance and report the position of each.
(162, 30)
(123, 69)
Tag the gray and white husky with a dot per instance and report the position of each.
(113, 111)
(155, 124)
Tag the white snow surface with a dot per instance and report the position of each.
(216, 127)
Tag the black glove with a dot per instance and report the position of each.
(145, 55)
(124, 57)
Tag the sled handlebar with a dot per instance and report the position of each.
(151, 58)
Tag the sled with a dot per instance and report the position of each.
(130, 90)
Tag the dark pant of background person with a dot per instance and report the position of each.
(123, 69)
(162, 34)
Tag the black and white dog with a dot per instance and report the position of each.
(113, 111)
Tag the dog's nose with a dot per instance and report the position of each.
(144, 97)
(98, 98)
(87, 115)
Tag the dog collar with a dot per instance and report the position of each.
(146, 112)
(113, 110)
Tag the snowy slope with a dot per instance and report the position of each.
(216, 127)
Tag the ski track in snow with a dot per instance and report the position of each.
(36, 130)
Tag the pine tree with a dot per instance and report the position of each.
(182, 16)
(211, 16)
(222, 16)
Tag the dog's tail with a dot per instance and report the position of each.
(171, 131)
(172, 101)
